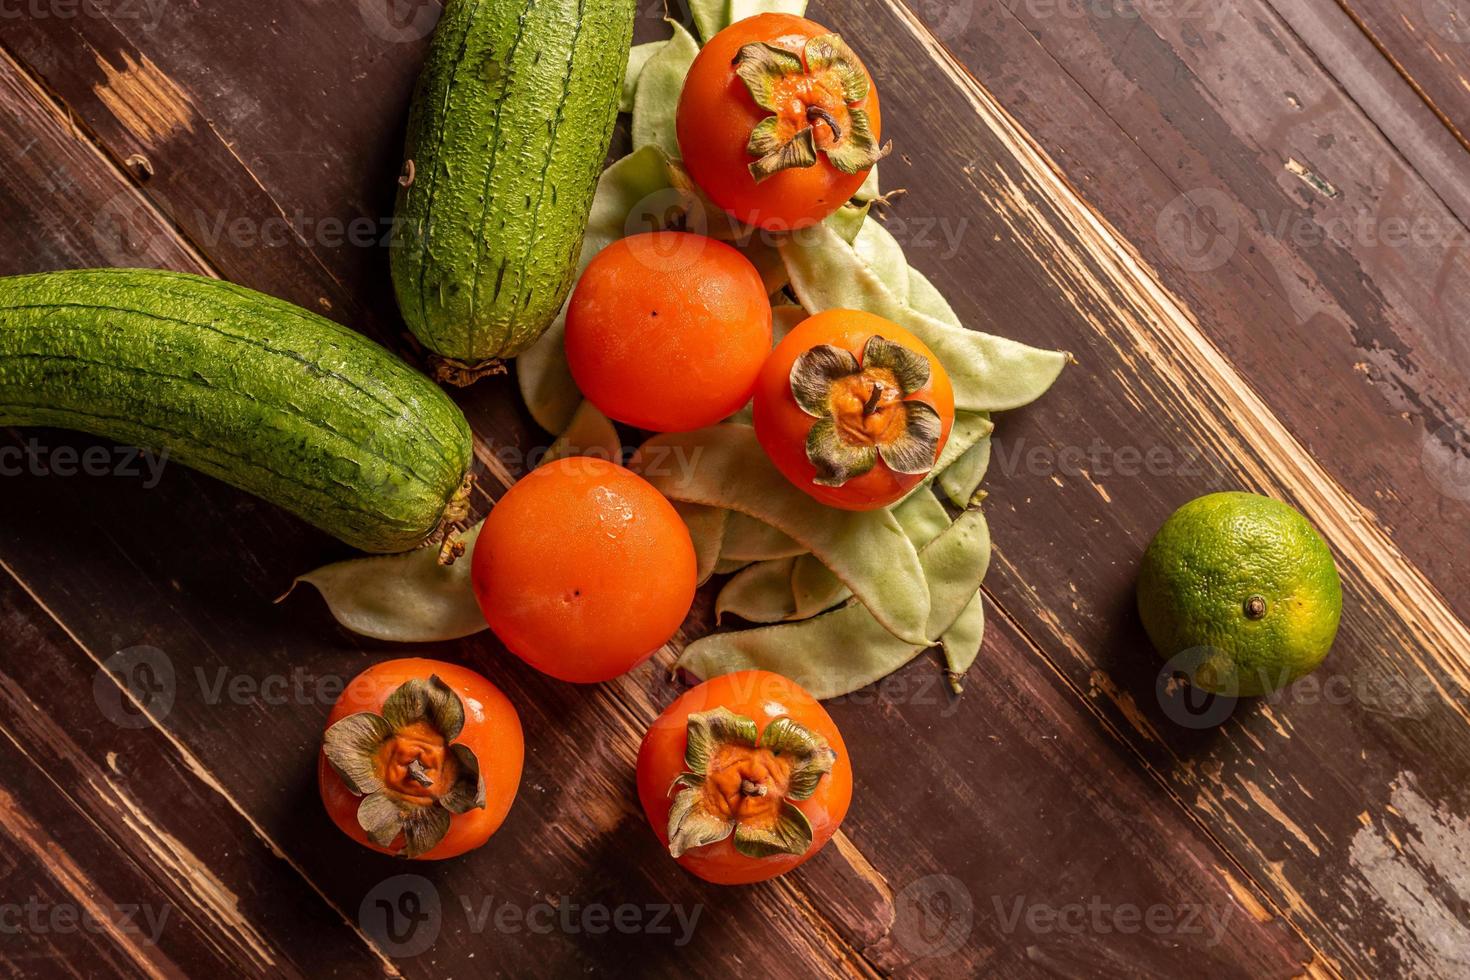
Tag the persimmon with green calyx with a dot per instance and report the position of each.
(779, 122)
(583, 569)
(744, 777)
(420, 759)
(667, 331)
(853, 409)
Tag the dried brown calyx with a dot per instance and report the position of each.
(405, 765)
(815, 99)
(862, 410)
(741, 782)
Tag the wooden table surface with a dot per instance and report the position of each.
(1247, 220)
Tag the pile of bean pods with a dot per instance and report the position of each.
(840, 599)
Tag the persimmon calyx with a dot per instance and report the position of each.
(813, 97)
(405, 765)
(862, 413)
(742, 784)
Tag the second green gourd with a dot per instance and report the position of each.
(510, 126)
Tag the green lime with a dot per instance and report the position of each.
(1242, 590)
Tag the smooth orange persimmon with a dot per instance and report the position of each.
(779, 121)
(667, 331)
(744, 777)
(583, 569)
(853, 408)
(421, 759)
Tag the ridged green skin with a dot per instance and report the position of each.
(264, 395)
(510, 127)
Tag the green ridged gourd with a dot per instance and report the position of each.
(509, 130)
(254, 391)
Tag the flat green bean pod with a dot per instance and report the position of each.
(989, 373)
(961, 480)
(656, 97)
(638, 59)
(814, 589)
(961, 642)
(761, 593)
(848, 221)
(930, 301)
(749, 539)
(847, 649)
(707, 531)
(724, 466)
(809, 587)
(922, 517)
(408, 598)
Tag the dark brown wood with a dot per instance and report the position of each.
(122, 826)
(834, 883)
(1428, 43)
(1382, 88)
(1323, 825)
(1180, 123)
(1293, 787)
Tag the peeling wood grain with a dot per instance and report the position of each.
(143, 98)
(1417, 859)
(129, 551)
(1198, 390)
(1316, 183)
(1149, 115)
(1164, 335)
(1245, 897)
(1426, 43)
(41, 739)
(18, 826)
(192, 762)
(1387, 92)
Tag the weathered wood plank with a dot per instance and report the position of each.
(1386, 94)
(175, 880)
(1280, 782)
(1429, 44)
(1044, 314)
(1199, 130)
(1020, 838)
(868, 920)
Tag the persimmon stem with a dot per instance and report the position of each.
(417, 773)
(871, 405)
(815, 112)
(748, 788)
